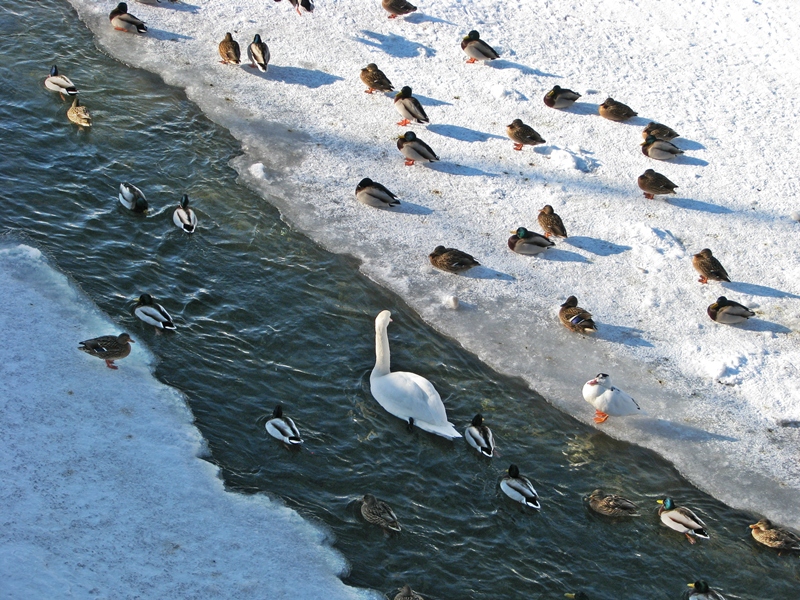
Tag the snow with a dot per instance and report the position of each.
(103, 489)
(723, 73)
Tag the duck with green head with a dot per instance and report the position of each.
(560, 97)
(409, 107)
(682, 519)
(477, 49)
(528, 242)
(659, 149)
(414, 149)
(701, 591)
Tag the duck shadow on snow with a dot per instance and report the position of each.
(427, 101)
(310, 78)
(629, 336)
(679, 431)
(462, 134)
(178, 6)
(580, 108)
(685, 144)
(757, 290)
(690, 204)
(682, 159)
(409, 208)
(503, 64)
(417, 18)
(394, 45)
(454, 169)
(167, 36)
(483, 272)
(756, 324)
(557, 254)
(595, 246)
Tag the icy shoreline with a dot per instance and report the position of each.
(720, 401)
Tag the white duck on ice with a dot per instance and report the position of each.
(607, 400)
(407, 396)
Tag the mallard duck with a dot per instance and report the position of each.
(659, 149)
(654, 184)
(659, 131)
(184, 217)
(681, 519)
(519, 488)
(560, 97)
(108, 347)
(306, 5)
(121, 20)
(616, 111)
(728, 312)
(258, 53)
(577, 596)
(409, 107)
(523, 135)
(152, 313)
(480, 437)
(764, 532)
(612, 505)
(551, 222)
(60, 83)
(415, 149)
(397, 7)
(79, 114)
(528, 242)
(476, 48)
(132, 198)
(452, 260)
(379, 513)
(708, 267)
(574, 318)
(374, 194)
(283, 428)
(375, 79)
(607, 400)
(406, 593)
(701, 591)
(229, 50)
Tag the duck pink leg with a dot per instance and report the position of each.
(409, 162)
(600, 417)
(110, 364)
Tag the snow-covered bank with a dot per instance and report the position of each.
(721, 402)
(103, 493)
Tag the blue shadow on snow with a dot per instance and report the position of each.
(757, 290)
(394, 45)
(507, 64)
(462, 134)
(310, 78)
(595, 246)
(454, 169)
(690, 204)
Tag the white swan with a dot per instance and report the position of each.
(406, 395)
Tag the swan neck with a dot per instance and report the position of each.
(381, 352)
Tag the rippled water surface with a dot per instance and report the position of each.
(265, 316)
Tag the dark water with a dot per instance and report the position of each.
(266, 316)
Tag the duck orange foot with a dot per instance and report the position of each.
(600, 417)
(404, 122)
(409, 162)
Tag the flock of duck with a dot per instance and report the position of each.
(410, 396)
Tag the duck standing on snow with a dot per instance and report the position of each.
(306, 5)
(659, 131)
(132, 198)
(397, 7)
(375, 79)
(616, 111)
(407, 396)
(681, 519)
(612, 505)
(519, 488)
(374, 194)
(523, 135)
(607, 400)
(379, 513)
(184, 217)
(229, 50)
(108, 347)
(528, 242)
(258, 53)
(701, 591)
(409, 107)
(415, 149)
(152, 313)
(551, 222)
(121, 20)
(406, 593)
(728, 312)
(283, 428)
(764, 532)
(560, 97)
(708, 267)
(79, 114)
(452, 260)
(574, 318)
(659, 149)
(655, 184)
(56, 82)
(477, 49)
(480, 437)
